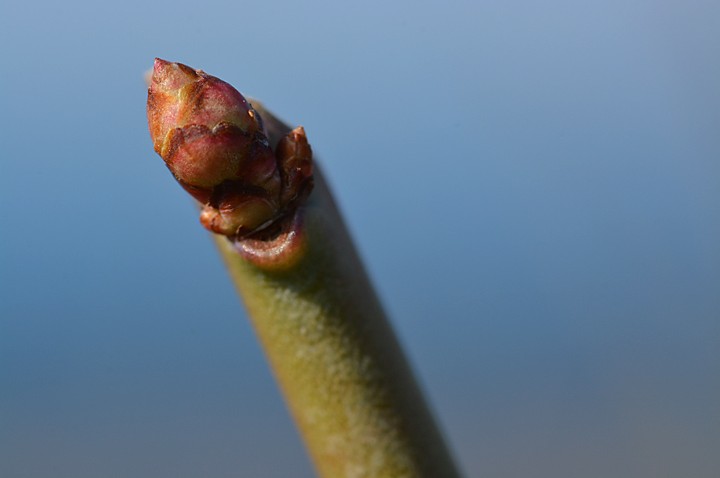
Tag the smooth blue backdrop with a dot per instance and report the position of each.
(535, 187)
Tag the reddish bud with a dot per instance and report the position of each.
(213, 142)
(295, 158)
(237, 214)
(180, 96)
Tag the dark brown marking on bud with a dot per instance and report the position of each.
(200, 194)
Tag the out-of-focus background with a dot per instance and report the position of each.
(535, 188)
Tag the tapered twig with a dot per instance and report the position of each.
(334, 354)
(338, 362)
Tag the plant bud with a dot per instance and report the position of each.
(237, 214)
(213, 142)
(295, 158)
(180, 96)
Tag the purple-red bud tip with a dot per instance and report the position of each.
(179, 96)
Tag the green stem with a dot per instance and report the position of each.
(338, 362)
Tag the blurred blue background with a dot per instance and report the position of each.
(535, 188)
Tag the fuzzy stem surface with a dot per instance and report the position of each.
(339, 365)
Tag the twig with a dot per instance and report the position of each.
(338, 362)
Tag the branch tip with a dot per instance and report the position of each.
(215, 145)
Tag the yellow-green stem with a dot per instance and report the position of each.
(338, 363)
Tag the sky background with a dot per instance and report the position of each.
(534, 186)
